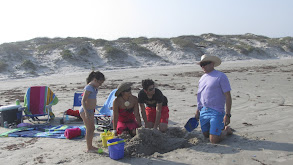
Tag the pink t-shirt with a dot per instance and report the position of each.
(211, 89)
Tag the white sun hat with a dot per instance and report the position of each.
(216, 60)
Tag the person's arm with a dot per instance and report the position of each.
(199, 107)
(143, 114)
(197, 114)
(158, 115)
(84, 100)
(228, 107)
(136, 113)
(115, 114)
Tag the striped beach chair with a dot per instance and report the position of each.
(38, 101)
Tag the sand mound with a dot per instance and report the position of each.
(149, 141)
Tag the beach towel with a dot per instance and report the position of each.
(44, 131)
(36, 100)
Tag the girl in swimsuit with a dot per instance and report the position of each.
(126, 117)
(94, 80)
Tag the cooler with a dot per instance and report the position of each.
(10, 114)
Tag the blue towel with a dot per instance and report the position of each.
(45, 131)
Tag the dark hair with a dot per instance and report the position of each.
(146, 83)
(97, 75)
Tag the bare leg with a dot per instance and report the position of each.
(216, 139)
(90, 128)
(206, 134)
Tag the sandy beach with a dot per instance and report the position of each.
(262, 113)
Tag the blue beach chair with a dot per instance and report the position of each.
(104, 117)
(76, 104)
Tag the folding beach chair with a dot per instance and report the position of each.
(38, 101)
(104, 116)
(71, 112)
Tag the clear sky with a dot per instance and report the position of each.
(112, 19)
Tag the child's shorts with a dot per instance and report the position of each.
(151, 114)
(211, 121)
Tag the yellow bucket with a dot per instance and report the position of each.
(105, 137)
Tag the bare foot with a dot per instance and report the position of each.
(93, 150)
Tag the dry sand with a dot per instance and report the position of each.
(261, 117)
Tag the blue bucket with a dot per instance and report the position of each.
(191, 124)
(116, 151)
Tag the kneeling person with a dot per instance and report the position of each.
(125, 108)
(156, 111)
